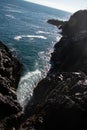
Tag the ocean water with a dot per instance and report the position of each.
(24, 29)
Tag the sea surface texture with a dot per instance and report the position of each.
(24, 29)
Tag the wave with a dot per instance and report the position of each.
(29, 36)
(12, 6)
(58, 37)
(26, 85)
(10, 16)
(14, 11)
(44, 58)
(17, 38)
(10, 9)
(30, 80)
(42, 32)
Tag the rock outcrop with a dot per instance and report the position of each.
(55, 22)
(76, 24)
(60, 100)
(10, 72)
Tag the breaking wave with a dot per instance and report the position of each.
(29, 36)
(42, 32)
(30, 80)
(26, 85)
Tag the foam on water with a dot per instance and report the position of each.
(29, 36)
(42, 32)
(58, 37)
(17, 38)
(26, 85)
(10, 16)
(30, 80)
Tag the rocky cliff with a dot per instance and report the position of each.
(10, 72)
(60, 100)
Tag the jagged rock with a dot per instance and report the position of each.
(10, 72)
(62, 105)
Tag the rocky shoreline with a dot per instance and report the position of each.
(60, 100)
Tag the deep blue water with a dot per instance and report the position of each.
(24, 29)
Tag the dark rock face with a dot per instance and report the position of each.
(60, 100)
(10, 67)
(10, 72)
(56, 22)
(63, 104)
(77, 23)
(70, 54)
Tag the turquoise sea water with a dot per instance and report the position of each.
(24, 29)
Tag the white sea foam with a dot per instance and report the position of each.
(58, 37)
(17, 38)
(44, 58)
(26, 85)
(10, 16)
(29, 36)
(42, 32)
(30, 80)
